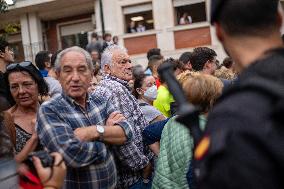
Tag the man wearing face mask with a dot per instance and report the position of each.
(145, 90)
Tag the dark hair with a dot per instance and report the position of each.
(36, 76)
(40, 59)
(94, 35)
(248, 17)
(153, 60)
(185, 57)
(175, 63)
(53, 58)
(6, 146)
(137, 70)
(228, 62)
(138, 82)
(107, 35)
(3, 44)
(154, 51)
(200, 56)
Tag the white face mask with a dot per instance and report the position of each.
(151, 93)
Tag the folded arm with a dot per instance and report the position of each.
(58, 136)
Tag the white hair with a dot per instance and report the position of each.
(106, 57)
(73, 49)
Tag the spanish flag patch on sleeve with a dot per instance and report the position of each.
(202, 148)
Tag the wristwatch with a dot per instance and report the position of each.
(146, 181)
(101, 131)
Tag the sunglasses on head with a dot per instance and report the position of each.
(22, 64)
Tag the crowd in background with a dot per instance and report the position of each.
(111, 124)
(54, 101)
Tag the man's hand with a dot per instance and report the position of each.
(51, 176)
(147, 171)
(87, 134)
(114, 118)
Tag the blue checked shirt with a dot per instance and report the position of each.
(132, 157)
(90, 165)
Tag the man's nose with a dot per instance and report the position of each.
(129, 65)
(75, 76)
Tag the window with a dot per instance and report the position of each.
(138, 18)
(18, 51)
(75, 34)
(80, 40)
(189, 11)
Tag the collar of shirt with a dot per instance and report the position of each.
(123, 82)
(44, 73)
(72, 101)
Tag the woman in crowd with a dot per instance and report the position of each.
(176, 142)
(26, 85)
(145, 90)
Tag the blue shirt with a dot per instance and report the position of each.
(44, 73)
(89, 164)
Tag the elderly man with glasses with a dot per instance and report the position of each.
(133, 159)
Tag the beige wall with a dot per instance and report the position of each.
(163, 15)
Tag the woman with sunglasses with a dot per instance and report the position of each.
(26, 85)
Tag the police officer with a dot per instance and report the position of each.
(244, 142)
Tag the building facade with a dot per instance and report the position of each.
(57, 24)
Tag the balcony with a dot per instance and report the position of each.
(191, 35)
(139, 43)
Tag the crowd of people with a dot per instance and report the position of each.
(110, 124)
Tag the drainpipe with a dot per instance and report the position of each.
(102, 17)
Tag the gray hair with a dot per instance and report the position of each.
(73, 49)
(106, 58)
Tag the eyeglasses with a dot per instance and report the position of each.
(22, 64)
(10, 49)
(124, 61)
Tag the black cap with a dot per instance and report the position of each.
(216, 7)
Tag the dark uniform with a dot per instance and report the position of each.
(244, 142)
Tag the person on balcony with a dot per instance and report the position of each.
(185, 19)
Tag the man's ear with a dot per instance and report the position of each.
(57, 74)
(107, 69)
(138, 90)
(207, 65)
(219, 32)
(47, 64)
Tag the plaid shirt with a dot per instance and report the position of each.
(130, 158)
(89, 164)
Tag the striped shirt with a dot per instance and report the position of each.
(89, 164)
